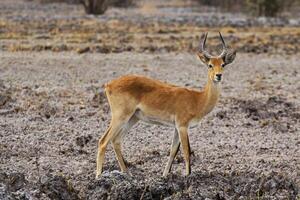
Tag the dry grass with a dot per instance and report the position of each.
(117, 36)
(148, 8)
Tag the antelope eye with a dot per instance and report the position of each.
(210, 66)
(223, 65)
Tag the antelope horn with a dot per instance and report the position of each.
(202, 47)
(224, 51)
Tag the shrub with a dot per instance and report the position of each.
(269, 8)
(57, 1)
(96, 7)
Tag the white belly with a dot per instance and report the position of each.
(194, 123)
(153, 120)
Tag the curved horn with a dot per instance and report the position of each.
(204, 41)
(223, 45)
(202, 46)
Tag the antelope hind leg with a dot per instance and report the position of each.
(116, 142)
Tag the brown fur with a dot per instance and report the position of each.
(133, 98)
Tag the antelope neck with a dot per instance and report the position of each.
(211, 94)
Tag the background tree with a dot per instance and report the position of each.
(96, 7)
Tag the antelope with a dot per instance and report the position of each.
(133, 98)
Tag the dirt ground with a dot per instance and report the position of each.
(53, 111)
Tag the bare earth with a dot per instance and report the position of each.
(53, 111)
(55, 59)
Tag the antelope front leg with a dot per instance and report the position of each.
(184, 140)
(173, 152)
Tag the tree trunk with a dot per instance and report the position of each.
(95, 7)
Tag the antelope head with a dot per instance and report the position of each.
(216, 64)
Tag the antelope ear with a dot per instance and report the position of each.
(229, 56)
(203, 57)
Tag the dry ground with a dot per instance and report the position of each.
(53, 110)
(35, 27)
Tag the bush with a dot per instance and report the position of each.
(122, 3)
(269, 8)
(57, 1)
(96, 7)
(227, 5)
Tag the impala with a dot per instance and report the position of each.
(133, 98)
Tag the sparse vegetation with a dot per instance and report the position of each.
(269, 8)
(55, 60)
(96, 7)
